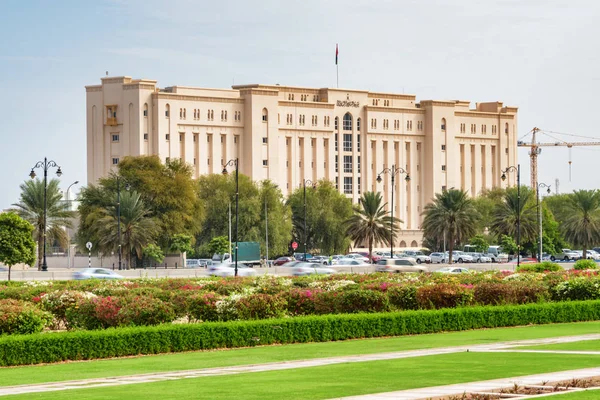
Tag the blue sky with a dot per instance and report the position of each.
(541, 56)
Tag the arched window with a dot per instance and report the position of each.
(265, 115)
(358, 124)
(443, 124)
(403, 244)
(347, 122)
(414, 244)
(167, 110)
(145, 109)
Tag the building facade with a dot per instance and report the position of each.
(292, 134)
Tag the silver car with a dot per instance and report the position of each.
(96, 273)
(397, 265)
(227, 269)
(308, 268)
(452, 270)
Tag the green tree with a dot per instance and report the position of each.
(371, 223)
(279, 219)
(485, 204)
(558, 204)
(181, 243)
(480, 243)
(219, 245)
(582, 226)
(16, 242)
(451, 215)
(508, 244)
(138, 228)
(327, 211)
(58, 217)
(154, 253)
(552, 238)
(507, 214)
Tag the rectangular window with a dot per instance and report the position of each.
(358, 184)
(443, 167)
(145, 136)
(347, 142)
(115, 161)
(347, 185)
(145, 113)
(443, 147)
(167, 137)
(167, 113)
(348, 164)
(181, 137)
(358, 143)
(336, 164)
(336, 123)
(264, 118)
(336, 142)
(358, 165)
(265, 163)
(115, 138)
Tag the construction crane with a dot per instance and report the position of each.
(535, 150)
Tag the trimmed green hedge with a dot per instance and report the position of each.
(118, 342)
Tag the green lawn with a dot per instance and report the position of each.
(586, 395)
(207, 359)
(338, 380)
(586, 345)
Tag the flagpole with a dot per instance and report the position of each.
(337, 72)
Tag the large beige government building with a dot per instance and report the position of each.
(290, 134)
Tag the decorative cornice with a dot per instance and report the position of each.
(307, 129)
(395, 96)
(184, 97)
(208, 126)
(142, 86)
(402, 110)
(259, 92)
(438, 103)
(482, 114)
(387, 133)
(478, 137)
(116, 79)
(306, 104)
(94, 88)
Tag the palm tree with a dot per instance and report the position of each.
(58, 217)
(452, 214)
(582, 226)
(371, 222)
(138, 229)
(506, 215)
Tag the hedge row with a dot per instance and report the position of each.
(119, 342)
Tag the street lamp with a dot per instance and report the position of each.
(45, 165)
(68, 235)
(393, 171)
(127, 187)
(234, 162)
(313, 184)
(516, 169)
(540, 216)
(68, 196)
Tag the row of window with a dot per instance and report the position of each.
(210, 114)
(303, 97)
(348, 165)
(347, 142)
(463, 128)
(386, 103)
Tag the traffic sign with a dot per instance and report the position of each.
(294, 245)
(88, 245)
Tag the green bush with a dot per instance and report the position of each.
(203, 307)
(145, 310)
(119, 342)
(579, 288)
(510, 292)
(585, 264)
(261, 306)
(300, 301)
(444, 295)
(17, 316)
(355, 301)
(540, 267)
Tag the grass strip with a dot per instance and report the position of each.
(585, 345)
(338, 380)
(265, 354)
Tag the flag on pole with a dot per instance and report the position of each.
(336, 54)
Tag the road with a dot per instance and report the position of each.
(65, 274)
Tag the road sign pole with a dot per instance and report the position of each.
(89, 247)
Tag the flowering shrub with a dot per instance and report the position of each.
(403, 297)
(444, 295)
(145, 310)
(300, 301)
(585, 264)
(511, 292)
(261, 306)
(226, 308)
(95, 313)
(59, 301)
(18, 316)
(332, 285)
(578, 288)
(203, 307)
(271, 284)
(354, 301)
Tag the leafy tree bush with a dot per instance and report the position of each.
(579, 288)
(444, 295)
(403, 297)
(203, 307)
(18, 316)
(16, 244)
(154, 253)
(540, 267)
(261, 306)
(585, 264)
(480, 243)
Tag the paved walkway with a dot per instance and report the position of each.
(163, 376)
(481, 387)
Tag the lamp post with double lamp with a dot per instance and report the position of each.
(313, 184)
(539, 208)
(516, 169)
(119, 220)
(235, 163)
(68, 235)
(45, 165)
(393, 171)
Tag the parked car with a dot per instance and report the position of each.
(227, 269)
(498, 257)
(566, 255)
(320, 259)
(197, 263)
(309, 268)
(399, 265)
(419, 256)
(459, 257)
(342, 262)
(357, 256)
(96, 273)
(335, 259)
(437, 258)
(482, 258)
(283, 260)
(302, 256)
(453, 270)
(589, 254)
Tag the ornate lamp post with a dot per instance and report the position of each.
(539, 208)
(516, 169)
(45, 165)
(127, 187)
(313, 184)
(393, 171)
(68, 235)
(235, 162)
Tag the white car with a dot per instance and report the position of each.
(357, 256)
(459, 257)
(590, 254)
(482, 258)
(308, 268)
(96, 273)
(452, 270)
(418, 256)
(227, 269)
(437, 258)
(342, 262)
